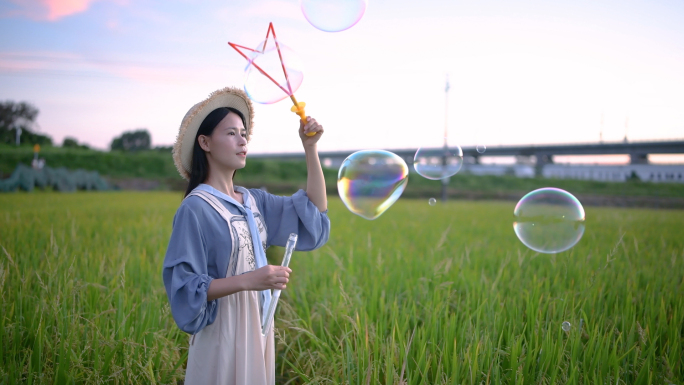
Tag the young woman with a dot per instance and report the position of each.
(215, 271)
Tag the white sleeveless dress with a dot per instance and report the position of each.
(232, 350)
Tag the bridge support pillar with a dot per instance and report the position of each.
(542, 160)
(638, 158)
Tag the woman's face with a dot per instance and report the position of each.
(226, 147)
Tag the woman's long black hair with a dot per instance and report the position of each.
(200, 165)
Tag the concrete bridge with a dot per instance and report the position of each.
(543, 154)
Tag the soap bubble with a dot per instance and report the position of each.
(333, 15)
(276, 80)
(566, 326)
(370, 181)
(432, 201)
(438, 163)
(481, 148)
(549, 220)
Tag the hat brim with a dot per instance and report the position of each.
(227, 97)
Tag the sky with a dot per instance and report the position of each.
(520, 72)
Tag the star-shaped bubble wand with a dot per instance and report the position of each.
(287, 88)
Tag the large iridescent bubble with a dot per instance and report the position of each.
(438, 163)
(333, 15)
(268, 79)
(549, 220)
(370, 181)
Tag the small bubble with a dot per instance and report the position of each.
(438, 163)
(481, 148)
(432, 201)
(566, 326)
(549, 220)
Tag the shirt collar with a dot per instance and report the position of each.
(219, 194)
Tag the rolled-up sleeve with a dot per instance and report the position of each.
(185, 274)
(295, 214)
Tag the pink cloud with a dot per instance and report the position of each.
(56, 64)
(50, 10)
(32, 61)
(60, 8)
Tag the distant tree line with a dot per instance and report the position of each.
(136, 140)
(132, 141)
(70, 142)
(21, 117)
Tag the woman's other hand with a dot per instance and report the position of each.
(268, 277)
(310, 126)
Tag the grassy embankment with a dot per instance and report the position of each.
(424, 294)
(280, 177)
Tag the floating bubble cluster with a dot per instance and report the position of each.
(432, 201)
(267, 78)
(333, 15)
(549, 220)
(438, 163)
(370, 181)
(481, 148)
(566, 326)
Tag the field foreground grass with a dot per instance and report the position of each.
(422, 295)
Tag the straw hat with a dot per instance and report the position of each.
(185, 142)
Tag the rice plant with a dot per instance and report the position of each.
(81, 295)
(442, 294)
(447, 294)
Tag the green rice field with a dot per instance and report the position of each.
(442, 294)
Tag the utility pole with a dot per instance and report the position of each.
(626, 127)
(445, 155)
(601, 133)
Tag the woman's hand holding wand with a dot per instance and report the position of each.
(264, 278)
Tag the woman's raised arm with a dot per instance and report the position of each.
(315, 182)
